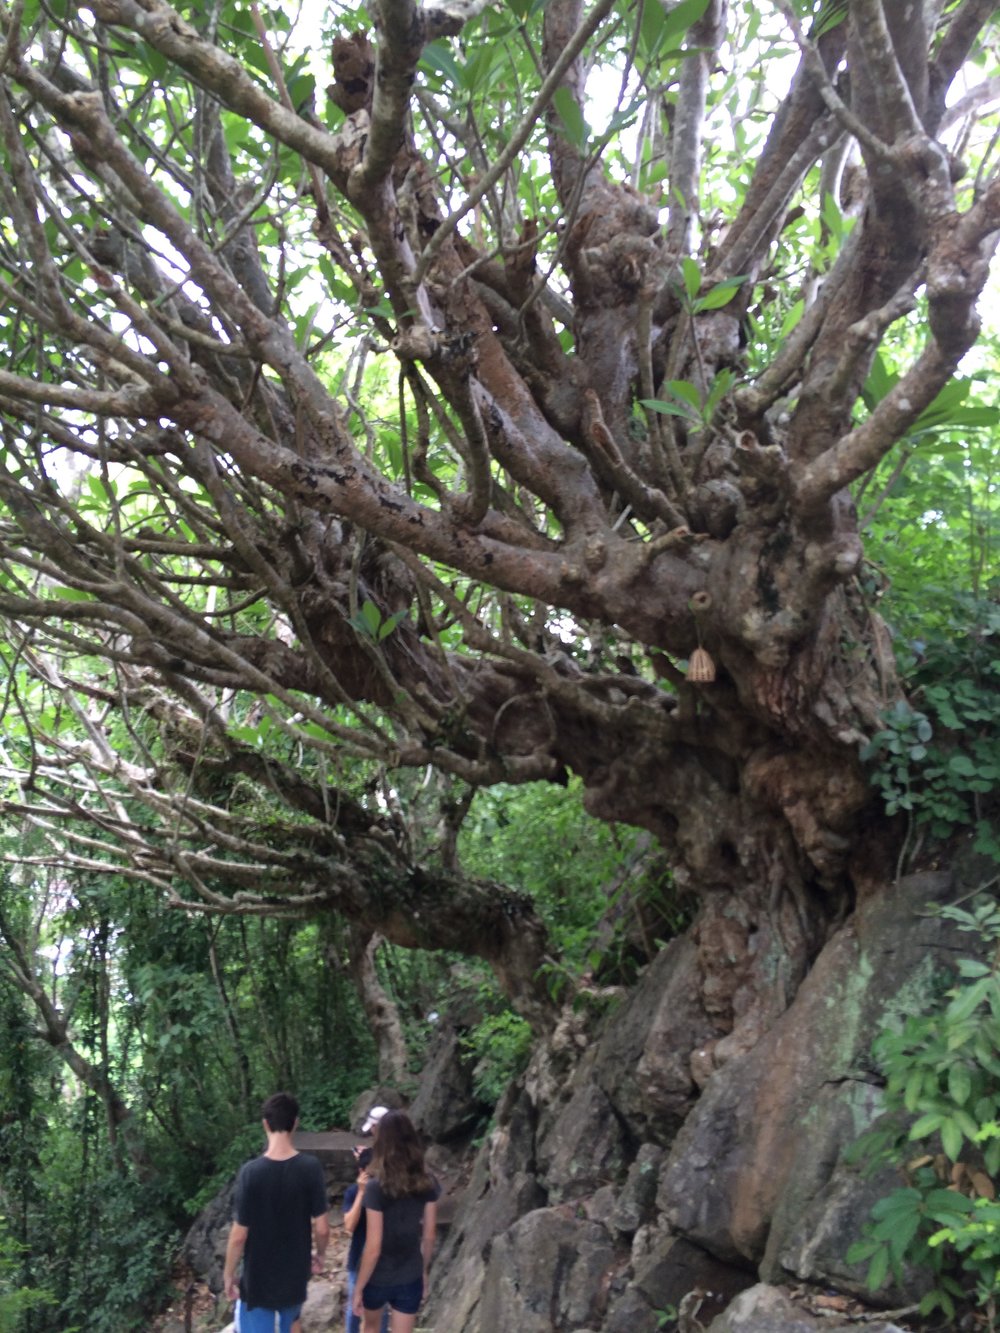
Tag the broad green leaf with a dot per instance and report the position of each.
(878, 1269)
(567, 107)
(686, 391)
(371, 616)
(72, 594)
(927, 1124)
(720, 295)
(437, 57)
(951, 1139)
(667, 409)
(691, 274)
(680, 18)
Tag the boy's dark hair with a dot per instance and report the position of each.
(280, 1111)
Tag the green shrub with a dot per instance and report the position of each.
(16, 1299)
(937, 758)
(941, 1129)
(501, 1045)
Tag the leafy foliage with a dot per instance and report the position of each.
(941, 1126)
(940, 762)
(15, 1301)
(500, 1045)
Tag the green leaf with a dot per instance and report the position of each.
(959, 1084)
(913, 1090)
(905, 1230)
(951, 1139)
(72, 595)
(927, 1124)
(686, 391)
(861, 1250)
(878, 1269)
(102, 488)
(568, 109)
(667, 409)
(720, 295)
(792, 316)
(880, 380)
(389, 624)
(691, 275)
(680, 18)
(899, 1201)
(830, 15)
(944, 1205)
(968, 999)
(437, 58)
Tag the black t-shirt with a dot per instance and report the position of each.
(400, 1259)
(277, 1201)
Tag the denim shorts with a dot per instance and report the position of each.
(405, 1297)
(259, 1320)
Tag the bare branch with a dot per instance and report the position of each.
(702, 41)
(520, 136)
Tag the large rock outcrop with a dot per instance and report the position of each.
(633, 1164)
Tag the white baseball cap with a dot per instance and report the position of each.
(374, 1116)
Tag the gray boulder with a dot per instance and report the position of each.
(760, 1153)
(547, 1273)
(204, 1245)
(446, 1107)
(764, 1309)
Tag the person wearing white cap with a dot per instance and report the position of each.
(373, 1117)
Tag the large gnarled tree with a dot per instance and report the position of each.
(422, 426)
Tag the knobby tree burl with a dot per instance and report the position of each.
(490, 415)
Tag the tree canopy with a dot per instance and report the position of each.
(487, 416)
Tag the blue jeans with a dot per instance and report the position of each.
(259, 1320)
(354, 1320)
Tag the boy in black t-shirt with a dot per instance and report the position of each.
(280, 1214)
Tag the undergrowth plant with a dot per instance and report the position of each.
(500, 1044)
(937, 757)
(16, 1299)
(941, 1129)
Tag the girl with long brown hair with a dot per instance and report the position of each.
(400, 1202)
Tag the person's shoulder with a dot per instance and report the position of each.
(374, 1195)
(308, 1161)
(252, 1168)
(302, 1165)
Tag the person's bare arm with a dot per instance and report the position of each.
(428, 1236)
(369, 1258)
(234, 1253)
(353, 1215)
(321, 1238)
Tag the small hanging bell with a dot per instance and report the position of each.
(701, 668)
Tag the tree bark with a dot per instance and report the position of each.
(380, 1010)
